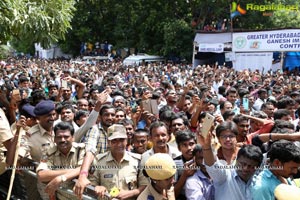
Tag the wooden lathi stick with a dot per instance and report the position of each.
(12, 178)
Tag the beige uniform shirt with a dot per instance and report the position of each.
(5, 135)
(33, 141)
(124, 175)
(151, 193)
(58, 161)
(5, 131)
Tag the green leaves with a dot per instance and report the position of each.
(152, 26)
(177, 36)
(36, 20)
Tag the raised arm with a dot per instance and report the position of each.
(91, 120)
(208, 154)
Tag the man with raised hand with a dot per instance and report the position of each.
(231, 182)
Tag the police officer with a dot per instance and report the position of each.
(26, 120)
(38, 139)
(161, 169)
(117, 171)
(42, 133)
(63, 161)
(6, 137)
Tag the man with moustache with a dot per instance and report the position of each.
(67, 114)
(96, 143)
(36, 139)
(159, 137)
(63, 161)
(42, 133)
(268, 108)
(118, 169)
(284, 164)
(243, 127)
(119, 101)
(82, 104)
(178, 123)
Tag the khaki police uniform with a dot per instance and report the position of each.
(159, 167)
(5, 132)
(58, 161)
(33, 141)
(151, 193)
(31, 147)
(5, 135)
(124, 176)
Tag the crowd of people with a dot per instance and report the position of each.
(137, 132)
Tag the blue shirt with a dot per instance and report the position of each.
(227, 183)
(264, 185)
(199, 187)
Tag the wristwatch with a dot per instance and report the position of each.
(270, 137)
(63, 178)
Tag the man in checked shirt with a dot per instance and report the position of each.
(96, 143)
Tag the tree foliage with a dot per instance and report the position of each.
(155, 27)
(43, 21)
(262, 20)
(138, 24)
(151, 26)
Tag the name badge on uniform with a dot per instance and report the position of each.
(108, 175)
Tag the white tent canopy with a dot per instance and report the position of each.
(53, 52)
(211, 38)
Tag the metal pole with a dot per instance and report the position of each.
(193, 58)
(281, 60)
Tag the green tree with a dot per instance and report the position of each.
(129, 23)
(162, 27)
(178, 36)
(255, 20)
(35, 20)
(285, 18)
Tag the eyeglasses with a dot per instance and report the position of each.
(227, 136)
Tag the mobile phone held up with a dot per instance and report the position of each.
(151, 106)
(208, 122)
(64, 84)
(133, 106)
(246, 103)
